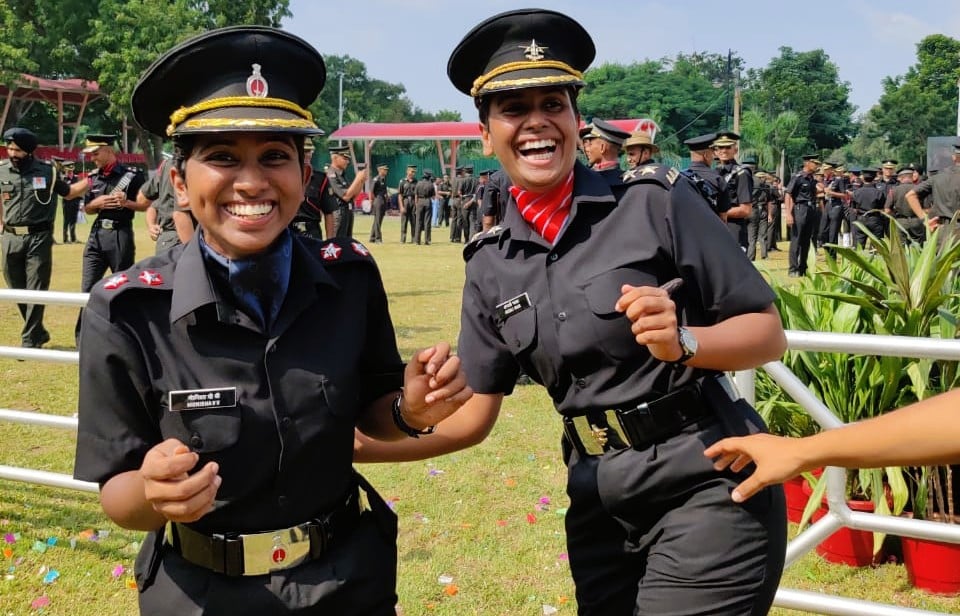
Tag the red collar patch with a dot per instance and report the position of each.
(115, 282)
(150, 278)
(331, 252)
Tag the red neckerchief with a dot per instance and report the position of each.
(108, 169)
(546, 212)
(606, 164)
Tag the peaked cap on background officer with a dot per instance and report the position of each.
(525, 48)
(726, 138)
(340, 150)
(25, 138)
(606, 131)
(241, 78)
(701, 142)
(96, 141)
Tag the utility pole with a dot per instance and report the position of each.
(958, 107)
(340, 110)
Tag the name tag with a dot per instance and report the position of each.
(203, 399)
(39, 183)
(512, 306)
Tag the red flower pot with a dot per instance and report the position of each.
(797, 492)
(932, 566)
(847, 546)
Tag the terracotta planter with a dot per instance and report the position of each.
(846, 546)
(797, 492)
(932, 566)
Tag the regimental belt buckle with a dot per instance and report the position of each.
(594, 438)
(266, 552)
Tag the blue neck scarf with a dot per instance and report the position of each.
(258, 284)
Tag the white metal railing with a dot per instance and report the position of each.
(839, 514)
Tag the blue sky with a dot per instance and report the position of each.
(409, 41)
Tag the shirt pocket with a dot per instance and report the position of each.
(519, 331)
(342, 396)
(204, 431)
(612, 328)
(9, 190)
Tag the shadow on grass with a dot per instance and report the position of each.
(419, 293)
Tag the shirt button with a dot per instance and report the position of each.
(282, 501)
(285, 423)
(196, 441)
(562, 316)
(581, 383)
(554, 257)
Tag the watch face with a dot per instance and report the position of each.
(688, 342)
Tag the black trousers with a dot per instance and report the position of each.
(378, 209)
(407, 218)
(757, 226)
(343, 221)
(422, 220)
(876, 223)
(455, 220)
(70, 210)
(653, 532)
(830, 226)
(111, 249)
(27, 264)
(801, 233)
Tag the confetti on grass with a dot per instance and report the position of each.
(40, 602)
(51, 576)
(118, 571)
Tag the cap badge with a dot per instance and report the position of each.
(256, 84)
(533, 52)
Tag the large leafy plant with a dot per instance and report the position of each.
(890, 288)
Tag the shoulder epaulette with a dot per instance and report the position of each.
(664, 175)
(111, 289)
(494, 234)
(343, 250)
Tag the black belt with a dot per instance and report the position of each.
(27, 229)
(306, 226)
(236, 554)
(636, 425)
(111, 224)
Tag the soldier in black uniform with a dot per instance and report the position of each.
(911, 226)
(496, 197)
(454, 204)
(113, 194)
(379, 206)
(167, 224)
(70, 207)
(28, 207)
(423, 192)
(761, 218)
(739, 181)
(407, 197)
(835, 187)
(213, 411)
(342, 192)
(889, 176)
(573, 289)
(317, 213)
(468, 203)
(800, 199)
(704, 176)
(602, 144)
(443, 191)
(868, 202)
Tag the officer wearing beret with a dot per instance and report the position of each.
(602, 144)
(113, 198)
(943, 190)
(28, 207)
(800, 199)
(379, 205)
(407, 196)
(701, 172)
(342, 192)
(577, 287)
(423, 191)
(317, 212)
(213, 411)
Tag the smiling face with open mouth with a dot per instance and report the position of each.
(533, 133)
(243, 189)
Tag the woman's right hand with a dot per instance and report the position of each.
(170, 488)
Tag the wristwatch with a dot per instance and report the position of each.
(403, 426)
(688, 344)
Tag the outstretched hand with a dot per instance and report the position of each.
(777, 458)
(434, 386)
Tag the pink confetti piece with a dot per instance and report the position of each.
(40, 602)
(118, 571)
(544, 500)
(9, 538)
(563, 556)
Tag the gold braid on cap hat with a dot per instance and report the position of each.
(182, 114)
(510, 67)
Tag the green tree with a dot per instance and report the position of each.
(222, 13)
(807, 83)
(921, 103)
(14, 52)
(770, 140)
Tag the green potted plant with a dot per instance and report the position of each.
(892, 289)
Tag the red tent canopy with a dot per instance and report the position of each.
(70, 91)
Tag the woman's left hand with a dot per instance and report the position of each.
(653, 317)
(434, 386)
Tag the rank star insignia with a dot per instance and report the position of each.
(533, 52)
(331, 252)
(360, 249)
(629, 175)
(648, 170)
(115, 282)
(150, 278)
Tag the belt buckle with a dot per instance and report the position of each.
(107, 224)
(271, 551)
(593, 438)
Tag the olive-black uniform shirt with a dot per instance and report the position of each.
(159, 189)
(407, 190)
(897, 200)
(712, 176)
(944, 192)
(869, 197)
(496, 196)
(337, 187)
(314, 205)
(803, 188)
(285, 449)
(739, 181)
(549, 310)
(27, 194)
(379, 189)
(105, 183)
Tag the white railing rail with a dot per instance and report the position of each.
(839, 514)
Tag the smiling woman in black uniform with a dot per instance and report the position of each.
(217, 410)
(568, 289)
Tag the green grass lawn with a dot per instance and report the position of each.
(490, 519)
